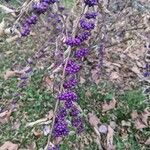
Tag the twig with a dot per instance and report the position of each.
(116, 43)
(22, 11)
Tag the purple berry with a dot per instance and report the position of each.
(91, 15)
(72, 82)
(81, 52)
(68, 96)
(86, 25)
(72, 67)
(91, 3)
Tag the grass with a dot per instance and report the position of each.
(36, 102)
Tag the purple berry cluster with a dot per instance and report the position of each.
(81, 53)
(78, 40)
(38, 9)
(71, 83)
(61, 126)
(91, 3)
(91, 15)
(28, 23)
(68, 97)
(72, 67)
(86, 25)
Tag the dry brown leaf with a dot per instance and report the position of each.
(32, 146)
(136, 70)
(31, 124)
(12, 39)
(2, 26)
(114, 76)
(139, 124)
(108, 106)
(37, 133)
(4, 116)
(48, 80)
(125, 123)
(144, 116)
(134, 115)
(7, 10)
(88, 93)
(110, 135)
(10, 73)
(58, 140)
(9, 146)
(50, 114)
(95, 76)
(140, 120)
(147, 142)
(82, 80)
(93, 120)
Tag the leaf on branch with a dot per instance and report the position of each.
(108, 106)
(9, 146)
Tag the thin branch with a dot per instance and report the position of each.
(63, 77)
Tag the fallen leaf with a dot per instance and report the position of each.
(9, 146)
(10, 73)
(2, 26)
(48, 81)
(50, 114)
(12, 39)
(8, 52)
(125, 123)
(82, 80)
(32, 146)
(147, 142)
(4, 116)
(16, 125)
(95, 76)
(58, 140)
(108, 106)
(37, 133)
(93, 120)
(88, 93)
(114, 76)
(46, 130)
(110, 135)
(140, 120)
(136, 70)
(31, 124)
(134, 115)
(139, 124)
(144, 116)
(8, 10)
